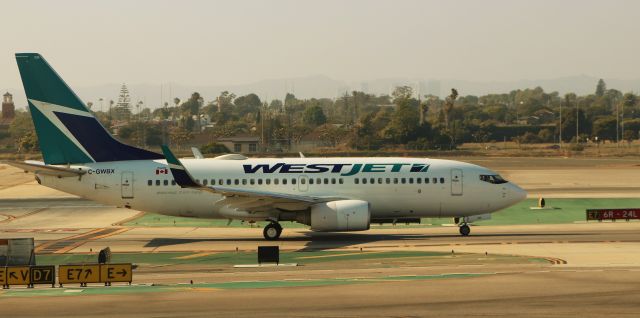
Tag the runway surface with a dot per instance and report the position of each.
(588, 269)
(551, 270)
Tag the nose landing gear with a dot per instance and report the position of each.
(272, 231)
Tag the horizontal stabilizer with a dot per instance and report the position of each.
(41, 168)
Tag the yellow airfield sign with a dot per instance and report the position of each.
(111, 273)
(67, 274)
(3, 276)
(78, 274)
(18, 275)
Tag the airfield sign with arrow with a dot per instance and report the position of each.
(111, 273)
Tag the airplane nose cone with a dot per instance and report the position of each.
(517, 193)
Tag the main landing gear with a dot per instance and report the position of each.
(464, 229)
(462, 226)
(272, 231)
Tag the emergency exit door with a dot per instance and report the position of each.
(127, 185)
(456, 182)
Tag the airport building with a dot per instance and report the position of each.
(241, 144)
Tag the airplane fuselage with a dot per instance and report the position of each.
(394, 187)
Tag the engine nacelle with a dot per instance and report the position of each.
(343, 215)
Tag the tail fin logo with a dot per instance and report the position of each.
(50, 112)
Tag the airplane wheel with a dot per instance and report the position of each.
(279, 227)
(272, 231)
(465, 230)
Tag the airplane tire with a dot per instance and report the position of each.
(272, 231)
(465, 230)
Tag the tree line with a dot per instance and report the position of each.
(360, 121)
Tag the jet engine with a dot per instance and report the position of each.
(342, 215)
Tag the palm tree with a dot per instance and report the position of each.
(111, 102)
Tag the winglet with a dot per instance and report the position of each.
(197, 153)
(179, 172)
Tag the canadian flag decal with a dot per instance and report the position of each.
(162, 171)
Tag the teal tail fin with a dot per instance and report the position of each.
(67, 131)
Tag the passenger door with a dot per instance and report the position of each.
(456, 181)
(126, 185)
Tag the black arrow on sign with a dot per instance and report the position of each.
(13, 275)
(123, 272)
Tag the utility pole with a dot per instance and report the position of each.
(622, 121)
(577, 117)
(262, 114)
(617, 125)
(560, 125)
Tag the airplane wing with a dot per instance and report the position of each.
(39, 167)
(245, 199)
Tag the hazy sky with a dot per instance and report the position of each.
(230, 42)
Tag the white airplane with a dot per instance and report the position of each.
(327, 194)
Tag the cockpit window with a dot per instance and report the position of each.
(492, 178)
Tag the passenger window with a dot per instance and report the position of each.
(333, 180)
(364, 180)
(341, 181)
(379, 180)
(236, 181)
(259, 181)
(326, 180)
(166, 182)
(310, 180)
(410, 180)
(441, 180)
(157, 182)
(319, 181)
(419, 180)
(293, 181)
(426, 180)
(356, 180)
(268, 181)
(388, 180)
(435, 180)
(276, 181)
(205, 182)
(252, 181)
(302, 181)
(244, 181)
(228, 181)
(404, 180)
(173, 182)
(284, 180)
(395, 180)
(221, 181)
(149, 182)
(213, 181)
